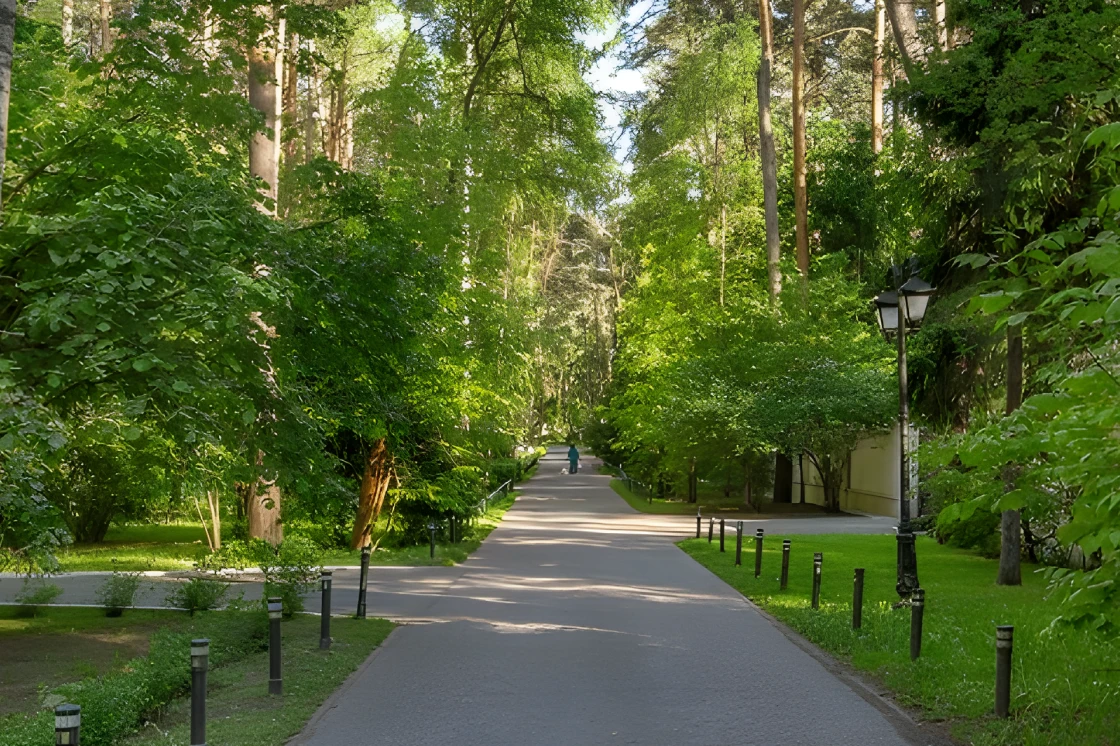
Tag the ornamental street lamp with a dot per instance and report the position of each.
(899, 311)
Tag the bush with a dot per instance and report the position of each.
(503, 470)
(236, 555)
(290, 570)
(198, 594)
(35, 593)
(118, 591)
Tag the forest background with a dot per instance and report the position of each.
(297, 264)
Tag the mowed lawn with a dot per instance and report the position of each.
(1065, 682)
(179, 546)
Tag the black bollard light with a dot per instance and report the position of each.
(917, 611)
(738, 543)
(200, 662)
(1005, 636)
(711, 528)
(721, 534)
(698, 523)
(275, 611)
(818, 559)
(362, 580)
(325, 614)
(785, 563)
(758, 534)
(857, 599)
(432, 534)
(67, 725)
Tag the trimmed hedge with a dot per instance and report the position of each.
(114, 705)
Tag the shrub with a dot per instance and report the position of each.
(35, 593)
(503, 470)
(118, 591)
(290, 570)
(236, 555)
(198, 594)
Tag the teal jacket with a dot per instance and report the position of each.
(573, 454)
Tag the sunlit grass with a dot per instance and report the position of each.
(179, 546)
(1065, 684)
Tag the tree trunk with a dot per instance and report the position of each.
(1010, 544)
(877, 78)
(106, 32)
(692, 481)
(722, 251)
(7, 43)
(371, 494)
(263, 508)
(67, 21)
(904, 25)
(266, 68)
(800, 196)
(213, 500)
(769, 156)
(291, 97)
(939, 21)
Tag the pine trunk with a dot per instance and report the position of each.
(291, 97)
(371, 494)
(769, 156)
(1010, 545)
(904, 24)
(7, 44)
(800, 195)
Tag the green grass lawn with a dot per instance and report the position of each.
(180, 546)
(239, 709)
(1065, 683)
(710, 502)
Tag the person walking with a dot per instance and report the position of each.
(573, 459)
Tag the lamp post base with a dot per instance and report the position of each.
(907, 562)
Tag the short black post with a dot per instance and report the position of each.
(917, 611)
(711, 528)
(362, 580)
(785, 563)
(697, 523)
(857, 599)
(818, 559)
(451, 529)
(275, 610)
(758, 534)
(67, 725)
(325, 613)
(432, 534)
(721, 534)
(200, 662)
(738, 543)
(1005, 635)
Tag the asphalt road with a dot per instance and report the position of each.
(579, 622)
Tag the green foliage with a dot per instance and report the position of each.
(289, 570)
(198, 594)
(118, 591)
(37, 592)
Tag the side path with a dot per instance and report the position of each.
(567, 629)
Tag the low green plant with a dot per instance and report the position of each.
(36, 592)
(234, 555)
(118, 592)
(198, 594)
(290, 570)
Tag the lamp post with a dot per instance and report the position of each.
(899, 311)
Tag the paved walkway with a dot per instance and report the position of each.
(578, 622)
